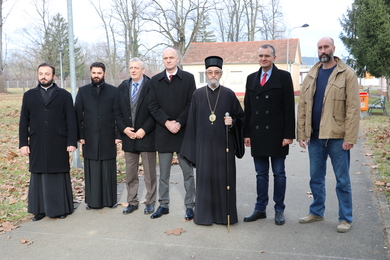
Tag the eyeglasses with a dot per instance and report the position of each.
(215, 72)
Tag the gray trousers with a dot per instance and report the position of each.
(132, 182)
(165, 160)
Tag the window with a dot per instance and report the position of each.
(202, 78)
(236, 77)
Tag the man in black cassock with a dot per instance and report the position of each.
(97, 133)
(47, 133)
(205, 146)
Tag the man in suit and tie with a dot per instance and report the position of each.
(170, 98)
(269, 129)
(47, 133)
(136, 125)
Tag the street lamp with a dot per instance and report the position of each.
(288, 45)
(62, 80)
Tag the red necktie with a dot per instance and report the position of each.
(170, 77)
(264, 79)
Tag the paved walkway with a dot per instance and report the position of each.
(108, 234)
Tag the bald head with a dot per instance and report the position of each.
(326, 49)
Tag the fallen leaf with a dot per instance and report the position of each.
(25, 241)
(358, 172)
(379, 183)
(176, 232)
(6, 227)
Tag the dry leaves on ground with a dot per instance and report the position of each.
(176, 232)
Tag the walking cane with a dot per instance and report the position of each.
(227, 174)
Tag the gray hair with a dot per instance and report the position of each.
(266, 46)
(136, 59)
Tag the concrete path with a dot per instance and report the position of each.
(108, 234)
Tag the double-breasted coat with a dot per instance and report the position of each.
(96, 121)
(269, 113)
(142, 117)
(170, 100)
(48, 129)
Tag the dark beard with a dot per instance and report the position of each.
(47, 84)
(97, 83)
(326, 58)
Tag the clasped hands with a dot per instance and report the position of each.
(139, 134)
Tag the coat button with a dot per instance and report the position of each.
(257, 112)
(257, 127)
(257, 97)
(266, 127)
(266, 112)
(266, 96)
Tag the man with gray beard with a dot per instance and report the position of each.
(328, 124)
(205, 145)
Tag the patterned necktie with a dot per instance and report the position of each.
(264, 79)
(134, 92)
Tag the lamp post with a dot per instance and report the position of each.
(62, 79)
(288, 45)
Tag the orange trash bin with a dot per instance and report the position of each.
(364, 101)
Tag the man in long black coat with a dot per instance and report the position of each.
(170, 98)
(269, 129)
(205, 144)
(136, 126)
(47, 133)
(97, 134)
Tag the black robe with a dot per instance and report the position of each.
(205, 146)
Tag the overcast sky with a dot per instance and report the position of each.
(322, 17)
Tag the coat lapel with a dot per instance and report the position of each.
(37, 93)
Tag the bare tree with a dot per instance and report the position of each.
(252, 9)
(3, 18)
(111, 58)
(272, 21)
(128, 14)
(177, 21)
(230, 19)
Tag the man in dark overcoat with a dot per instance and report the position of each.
(269, 129)
(136, 126)
(47, 133)
(97, 134)
(170, 99)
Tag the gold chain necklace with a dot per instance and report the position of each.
(212, 116)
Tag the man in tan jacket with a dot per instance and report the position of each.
(328, 123)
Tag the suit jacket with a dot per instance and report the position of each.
(142, 119)
(269, 112)
(96, 121)
(170, 100)
(48, 129)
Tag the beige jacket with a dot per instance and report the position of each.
(341, 108)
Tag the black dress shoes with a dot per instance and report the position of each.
(130, 209)
(149, 209)
(114, 206)
(279, 218)
(62, 216)
(255, 216)
(160, 211)
(38, 217)
(189, 214)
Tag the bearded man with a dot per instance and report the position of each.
(205, 144)
(328, 125)
(97, 134)
(47, 133)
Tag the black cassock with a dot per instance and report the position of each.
(205, 144)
